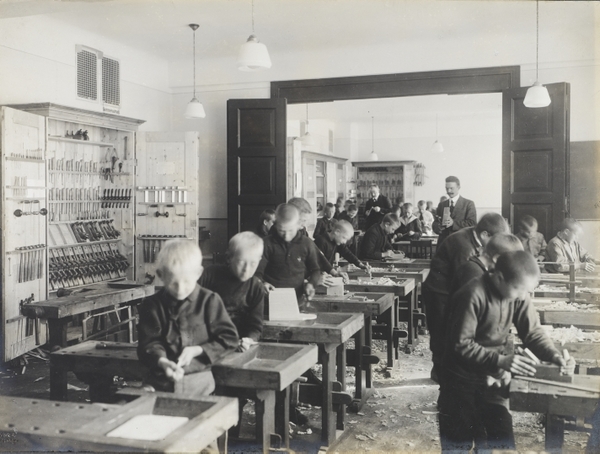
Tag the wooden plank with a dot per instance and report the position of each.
(580, 319)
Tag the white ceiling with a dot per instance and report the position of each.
(160, 26)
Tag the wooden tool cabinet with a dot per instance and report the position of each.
(86, 198)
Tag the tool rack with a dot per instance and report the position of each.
(81, 192)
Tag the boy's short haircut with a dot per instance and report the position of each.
(245, 240)
(391, 218)
(453, 179)
(352, 207)
(179, 252)
(287, 212)
(501, 243)
(301, 204)
(407, 205)
(421, 203)
(528, 222)
(571, 224)
(491, 223)
(267, 215)
(343, 225)
(330, 205)
(517, 265)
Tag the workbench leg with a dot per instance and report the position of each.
(327, 359)
(58, 380)
(555, 433)
(369, 345)
(360, 374)
(58, 332)
(265, 416)
(282, 416)
(341, 378)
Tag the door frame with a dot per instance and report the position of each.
(450, 82)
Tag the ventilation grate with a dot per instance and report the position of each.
(87, 75)
(111, 81)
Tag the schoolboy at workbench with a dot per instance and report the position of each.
(376, 242)
(477, 265)
(452, 253)
(473, 400)
(533, 241)
(335, 242)
(241, 292)
(289, 255)
(565, 248)
(183, 328)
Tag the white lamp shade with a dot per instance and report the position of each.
(195, 109)
(374, 156)
(537, 96)
(308, 140)
(253, 56)
(437, 147)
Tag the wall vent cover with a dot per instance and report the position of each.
(111, 81)
(87, 75)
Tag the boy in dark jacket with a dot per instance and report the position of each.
(376, 243)
(183, 328)
(473, 398)
(241, 292)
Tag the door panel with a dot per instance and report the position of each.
(535, 157)
(256, 160)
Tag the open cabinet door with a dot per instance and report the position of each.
(256, 160)
(535, 158)
(167, 195)
(23, 228)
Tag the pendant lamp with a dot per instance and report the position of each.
(373, 156)
(307, 139)
(194, 109)
(537, 95)
(437, 146)
(253, 55)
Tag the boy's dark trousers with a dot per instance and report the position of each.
(435, 311)
(467, 415)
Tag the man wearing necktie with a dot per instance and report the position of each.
(460, 212)
(376, 207)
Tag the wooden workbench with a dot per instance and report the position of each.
(371, 305)
(35, 424)
(59, 311)
(556, 402)
(404, 309)
(329, 331)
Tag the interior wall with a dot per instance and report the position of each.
(38, 64)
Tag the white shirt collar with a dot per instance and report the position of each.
(454, 199)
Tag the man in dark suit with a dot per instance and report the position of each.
(376, 207)
(462, 211)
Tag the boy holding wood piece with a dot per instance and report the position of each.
(473, 398)
(241, 292)
(183, 328)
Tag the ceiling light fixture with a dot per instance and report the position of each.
(437, 146)
(373, 156)
(194, 109)
(537, 95)
(253, 54)
(307, 139)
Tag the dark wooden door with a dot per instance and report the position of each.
(535, 158)
(256, 160)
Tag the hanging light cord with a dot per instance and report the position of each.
(194, 63)
(537, 38)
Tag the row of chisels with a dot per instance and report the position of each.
(81, 265)
(31, 262)
(152, 245)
